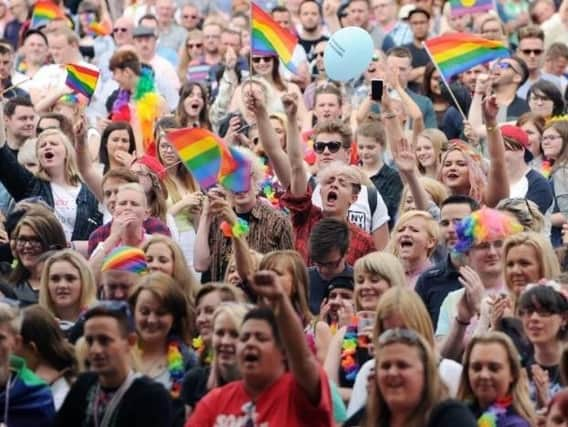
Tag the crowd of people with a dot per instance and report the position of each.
(395, 260)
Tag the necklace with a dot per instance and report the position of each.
(499, 408)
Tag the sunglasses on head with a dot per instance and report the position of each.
(332, 146)
(257, 59)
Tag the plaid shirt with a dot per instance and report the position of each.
(305, 216)
(269, 230)
(152, 225)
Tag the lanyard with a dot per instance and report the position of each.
(114, 402)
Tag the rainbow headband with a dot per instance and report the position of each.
(482, 226)
(125, 258)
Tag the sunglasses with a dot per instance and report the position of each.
(119, 30)
(536, 52)
(318, 54)
(195, 46)
(332, 146)
(189, 16)
(257, 59)
(505, 66)
(392, 336)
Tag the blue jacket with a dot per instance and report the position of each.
(22, 184)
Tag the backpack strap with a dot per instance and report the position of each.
(372, 198)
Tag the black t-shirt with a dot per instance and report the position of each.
(318, 287)
(309, 45)
(194, 385)
(145, 404)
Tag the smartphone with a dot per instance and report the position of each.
(376, 90)
(366, 319)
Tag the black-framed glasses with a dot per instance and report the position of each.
(332, 146)
(484, 246)
(258, 59)
(536, 52)
(33, 243)
(328, 264)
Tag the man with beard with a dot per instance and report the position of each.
(419, 20)
(311, 32)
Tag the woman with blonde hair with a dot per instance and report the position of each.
(374, 274)
(67, 287)
(526, 212)
(434, 190)
(493, 357)
(165, 255)
(420, 402)
(226, 321)
(58, 182)
(190, 53)
(413, 240)
(403, 308)
(430, 145)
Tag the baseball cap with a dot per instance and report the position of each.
(519, 136)
(142, 31)
(343, 281)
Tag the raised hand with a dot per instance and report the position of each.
(266, 284)
(473, 289)
(490, 110)
(253, 100)
(230, 58)
(290, 102)
(404, 156)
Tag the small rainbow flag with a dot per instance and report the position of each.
(99, 28)
(44, 12)
(269, 38)
(466, 7)
(204, 154)
(82, 79)
(455, 53)
(238, 181)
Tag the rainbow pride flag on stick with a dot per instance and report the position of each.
(238, 181)
(204, 154)
(44, 12)
(466, 7)
(458, 52)
(82, 79)
(269, 38)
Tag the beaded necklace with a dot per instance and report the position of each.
(491, 417)
(348, 351)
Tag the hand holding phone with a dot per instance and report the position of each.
(376, 90)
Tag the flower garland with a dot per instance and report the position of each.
(175, 367)
(203, 353)
(546, 168)
(491, 417)
(146, 106)
(238, 229)
(348, 351)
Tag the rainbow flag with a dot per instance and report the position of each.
(238, 181)
(82, 79)
(466, 7)
(455, 53)
(204, 154)
(44, 12)
(269, 38)
(99, 28)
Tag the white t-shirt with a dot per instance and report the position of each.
(360, 211)
(65, 206)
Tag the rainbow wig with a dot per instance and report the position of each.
(484, 225)
(477, 178)
(125, 258)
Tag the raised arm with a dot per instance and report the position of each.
(330, 8)
(301, 361)
(269, 139)
(202, 252)
(299, 176)
(405, 160)
(498, 182)
(91, 176)
(475, 116)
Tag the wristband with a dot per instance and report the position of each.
(492, 128)
(461, 322)
(238, 229)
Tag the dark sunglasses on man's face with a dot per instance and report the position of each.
(119, 30)
(332, 146)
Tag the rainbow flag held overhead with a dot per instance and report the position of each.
(455, 53)
(269, 38)
(238, 181)
(82, 79)
(44, 12)
(204, 154)
(466, 7)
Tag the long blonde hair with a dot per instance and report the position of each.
(519, 390)
(71, 170)
(86, 278)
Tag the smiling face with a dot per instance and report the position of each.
(487, 257)
(455, 174)
(51, 152)
(160, 258)
(194, 103)
(540, 325)
(28, 247)
(153, 321)
(425, 153)
(551, 143)
(225, 339)
(262, 65)
(21, 124)
(400, 376)
(64, 285)
(368, 289)
(35, 49)
(522, 267)
(413, 242)
(259, 357)
(205, 310)
(489, 372)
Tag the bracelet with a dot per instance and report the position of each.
(238, 229)
(492, 128)
(461, 322)
(389, 115)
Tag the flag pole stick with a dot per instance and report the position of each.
(15, 85)
(457, 105)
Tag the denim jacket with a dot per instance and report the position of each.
(22, 184)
